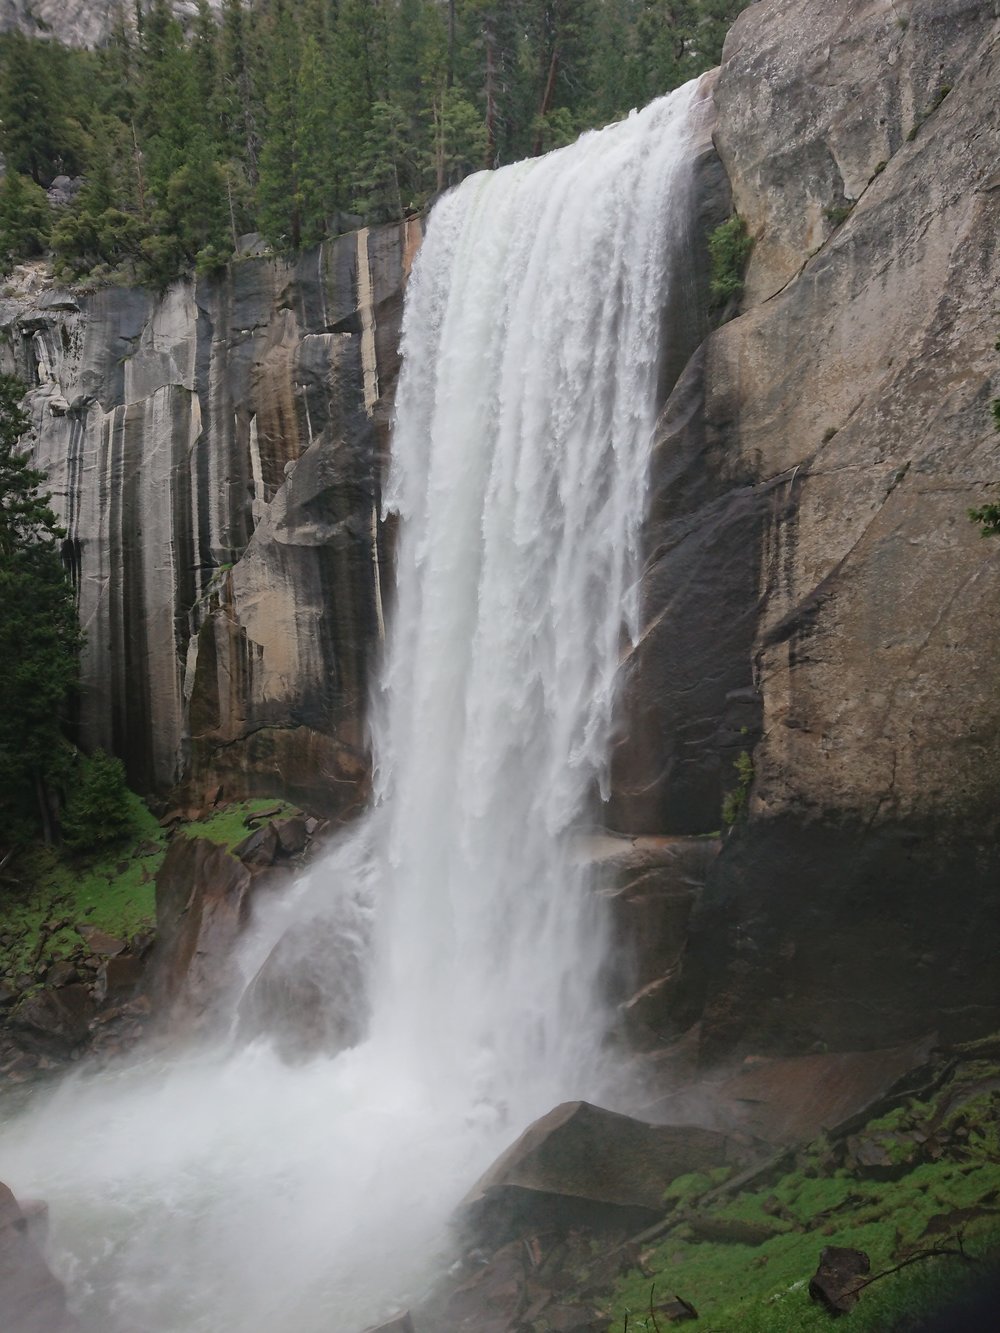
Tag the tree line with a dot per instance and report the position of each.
(299, 118)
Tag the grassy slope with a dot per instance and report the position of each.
(763, 1288)
(114, 892)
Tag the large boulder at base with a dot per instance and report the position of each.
(310, 996)
(584, 1166)
(31, 1299)
(202, 903)
(793, 1100)
(54, 1021)
(400, 1324)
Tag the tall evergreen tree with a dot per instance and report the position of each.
(316, 156)
(37, 137)
(279, 191)
(25, 219)
(39, 636)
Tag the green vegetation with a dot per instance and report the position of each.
(988, 516)
(288, 118)
(99, 811)
(839, 213)
(48, 893)
(735, 803)
(928, 111)
(729, 248)
(39, 640)
(743, 1257)
(228, 825)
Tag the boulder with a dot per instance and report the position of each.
(836, 1280)
(310, 995)
(31, 1299)
(292, 836)
(122, 974)
(55, 1020)
(100, 942)
(584, 1166)
(402, 1323)
(259, 849)
(61, 973)
(202, 904)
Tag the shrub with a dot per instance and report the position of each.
(729, 249)
(988, 516)
(98, 813)
(735, 803)
(838, 213)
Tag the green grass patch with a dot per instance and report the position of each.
(114, 891)
(227, 825)
(827, 1198)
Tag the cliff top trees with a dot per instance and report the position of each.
(39, 637)
(283, 115)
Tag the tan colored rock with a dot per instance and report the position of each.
(215, 455)
(815, 593)
(202, 903)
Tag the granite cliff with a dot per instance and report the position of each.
(814, 593)
(215, 454)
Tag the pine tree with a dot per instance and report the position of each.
(279, 191)
(25, 219)
(315, 145)
(360, 80)
(39, 636)
(98, 812)
(36, 137)
(235, 102)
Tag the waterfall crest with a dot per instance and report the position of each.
(224, 1191)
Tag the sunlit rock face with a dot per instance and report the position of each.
(215, 455)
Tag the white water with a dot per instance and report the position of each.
(226, 1191)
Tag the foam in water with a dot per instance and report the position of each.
(226, 1191)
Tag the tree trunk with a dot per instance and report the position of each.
(543, 110)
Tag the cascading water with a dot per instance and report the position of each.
(225, 1190)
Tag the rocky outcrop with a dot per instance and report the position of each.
(215, 454)
(310, 996)
(583, 1166)
(813, 469)
(202, 905)
(77, 22)
(31, 1298)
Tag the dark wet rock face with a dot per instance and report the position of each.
(215, 455)
(54, 1021)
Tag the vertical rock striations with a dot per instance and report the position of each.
(216, 457)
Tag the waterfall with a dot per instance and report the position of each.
(223, 1190)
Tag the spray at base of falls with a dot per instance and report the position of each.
(226, 1191)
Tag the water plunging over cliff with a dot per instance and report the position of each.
(226, 1191)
